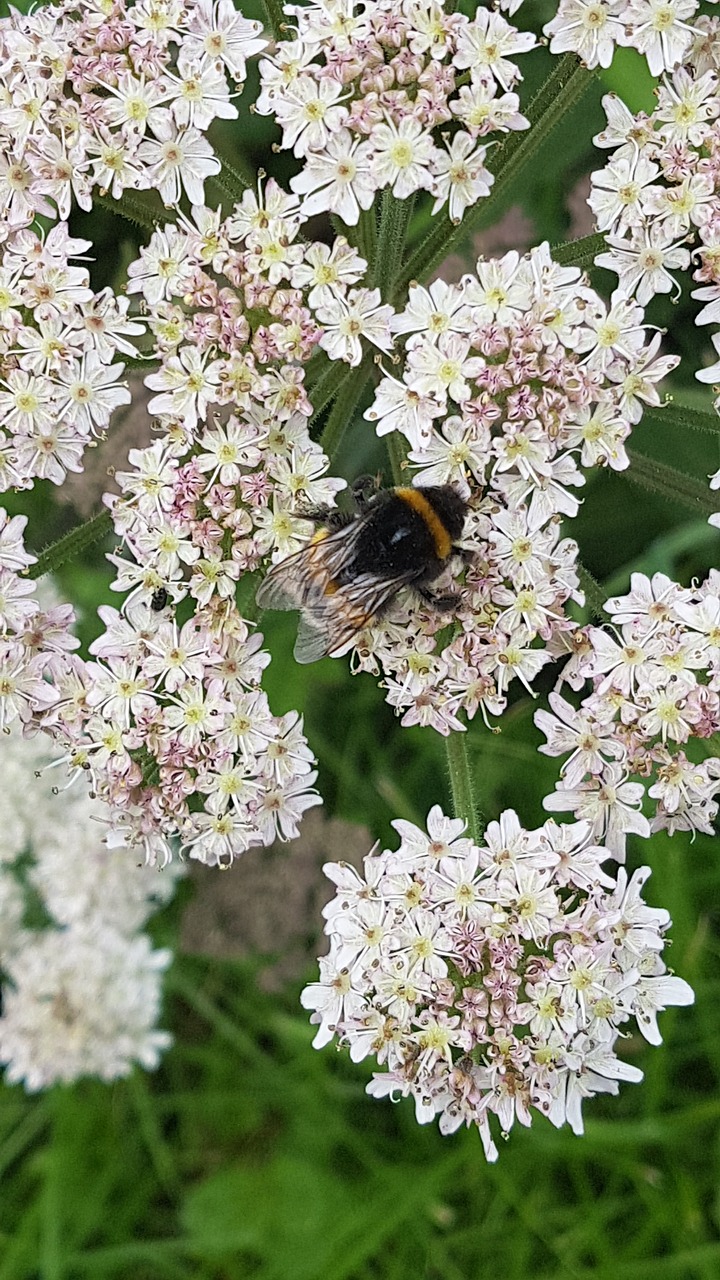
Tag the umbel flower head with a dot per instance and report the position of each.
(509, 385)
(491, 981)
(404, 97)
(112, 97)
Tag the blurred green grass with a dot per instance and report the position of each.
(248, 1155)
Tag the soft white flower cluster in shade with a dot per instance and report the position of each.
(58, 340)
(655, 685)
(509, 384)
(82, 983)
(491, 980)
(34, 644)
(664, 31)
(114, 97)
(386, 95)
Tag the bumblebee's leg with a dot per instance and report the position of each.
(363, 490)
(330, 517)
(442, 604)
(466, 555)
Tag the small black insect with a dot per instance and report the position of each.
(160, 598)
(355, 565)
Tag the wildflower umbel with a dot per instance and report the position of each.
(109, 98)
(510, 385)
(655, 688)
(59, 381)
(490, 982)
(401, 97)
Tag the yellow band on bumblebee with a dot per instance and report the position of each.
(416, 499)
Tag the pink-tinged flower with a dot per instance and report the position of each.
(402, 156)
(339, 179)
(460, 177)
(23, 690)
(361, 315)
(177, 161)
(487, 45)
(188, 384)
(609, 803)
(217, 31)
(659, 30)
(590, 28)
(309, 112)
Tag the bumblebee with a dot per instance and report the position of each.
(356, 563)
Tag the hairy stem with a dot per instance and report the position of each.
(71, 545)
(462, 788)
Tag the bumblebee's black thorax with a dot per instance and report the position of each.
(409, 532)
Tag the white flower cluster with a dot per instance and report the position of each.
(664, 31)
(58, 340)
(656, 684)
(491, 980)
(115, 97)
(661, 191)
(404, 96)
(34, 643)
(511, 382)
(81, 982)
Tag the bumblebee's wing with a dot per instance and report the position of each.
(330, 623)
(333, 611)
(308, 574)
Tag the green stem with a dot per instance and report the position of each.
(462, 789)
(396, 446)
(682, 417)
(579, 253)
(594, 594)
(394, 218)
(276, 17)
(71, 545)
(348, 396)
(143, 213)
(560, 92)
(324, 389)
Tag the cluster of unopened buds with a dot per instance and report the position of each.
(655, 686)
(492, 981)
(114, 97)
